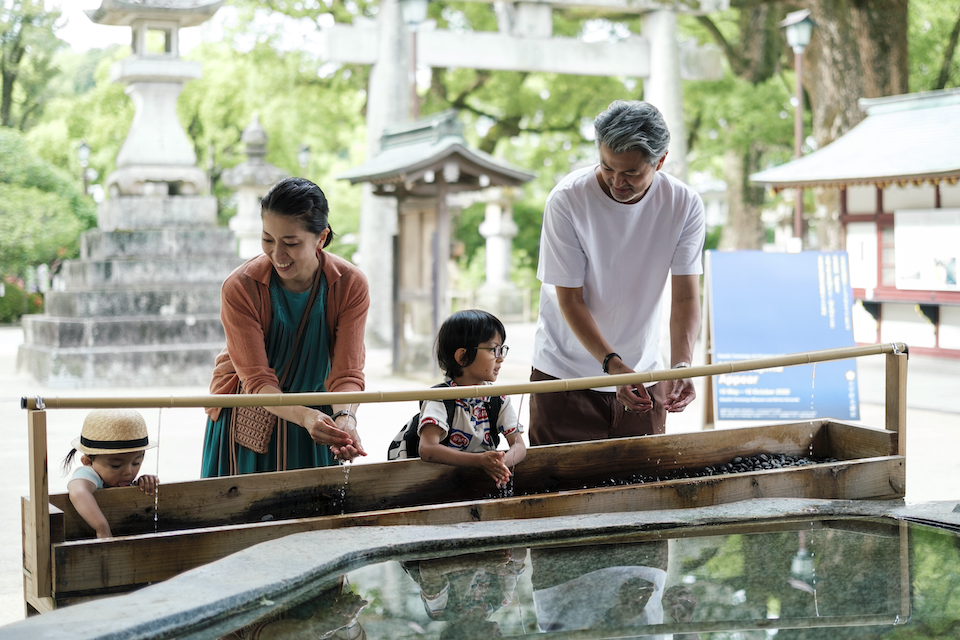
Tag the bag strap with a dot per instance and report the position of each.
(493, 414)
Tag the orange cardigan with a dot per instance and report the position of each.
(245, 312)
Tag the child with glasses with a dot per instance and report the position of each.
(470, 350)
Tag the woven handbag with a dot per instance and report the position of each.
(253, 427)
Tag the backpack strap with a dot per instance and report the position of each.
(493, 414)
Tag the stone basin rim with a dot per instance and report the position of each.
(250, 583)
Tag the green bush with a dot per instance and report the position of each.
(35, 302)
(13, 302)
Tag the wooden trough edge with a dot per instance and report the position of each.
(413, 483)
(103, 566)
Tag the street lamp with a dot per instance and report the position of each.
(798, 27)
(303, 156)
(83, 153)
(413, 12)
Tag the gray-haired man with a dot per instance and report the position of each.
(611, 235)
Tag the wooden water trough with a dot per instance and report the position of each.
(197, 522)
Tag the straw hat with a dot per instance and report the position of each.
(113, 431)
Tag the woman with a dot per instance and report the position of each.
(262, 303)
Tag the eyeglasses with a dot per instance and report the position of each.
(499, 351)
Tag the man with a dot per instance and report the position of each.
(611, 235)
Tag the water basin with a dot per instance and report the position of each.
(831, 578)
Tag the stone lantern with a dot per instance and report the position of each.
(157, 157)
(251, 180)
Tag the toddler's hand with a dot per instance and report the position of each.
(148, 484)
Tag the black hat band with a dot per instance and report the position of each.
(115, 444)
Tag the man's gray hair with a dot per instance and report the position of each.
(633, 126)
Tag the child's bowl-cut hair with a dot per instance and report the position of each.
(465, 329)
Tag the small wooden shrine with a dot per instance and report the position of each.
(420, 164)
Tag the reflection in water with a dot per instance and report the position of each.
(836, 579)
(331, 614)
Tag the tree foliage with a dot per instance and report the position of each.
(539, 122)
(934, 31)
(42, 212)
(296, 102)
(27, 49)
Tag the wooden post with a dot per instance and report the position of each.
(709, 419)
(896, 397)
(37, 532)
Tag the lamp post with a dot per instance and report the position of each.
(83, 154)
(303, 157)
(413, 12)
(798, 27)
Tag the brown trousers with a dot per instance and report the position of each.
(572, 416)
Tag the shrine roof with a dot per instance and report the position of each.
(911, 138)
(188, 13)
(410, 151)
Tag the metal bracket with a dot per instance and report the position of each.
(39, 401)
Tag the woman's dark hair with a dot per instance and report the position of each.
(465, 329)
(300, 199)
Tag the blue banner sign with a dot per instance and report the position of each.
(762, 305)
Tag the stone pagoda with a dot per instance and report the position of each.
(141, 305)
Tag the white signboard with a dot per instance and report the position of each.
(927, 249)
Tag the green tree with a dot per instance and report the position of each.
(297, 103)
(934, 30)
(27, 48)
(42, 212)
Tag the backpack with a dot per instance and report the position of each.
(406, 444)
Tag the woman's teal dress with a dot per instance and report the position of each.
(311, 364)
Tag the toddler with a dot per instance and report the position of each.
(112, 445)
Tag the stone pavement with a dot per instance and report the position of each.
(933, 441)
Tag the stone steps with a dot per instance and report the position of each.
(141, 307)
(122, 273)
(131, 366)
(135, 331)
(147, 244)
(182, 300)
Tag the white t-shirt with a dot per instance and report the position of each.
(470, 430)
(583, 602)
(621, 254)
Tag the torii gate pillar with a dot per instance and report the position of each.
(388, 103)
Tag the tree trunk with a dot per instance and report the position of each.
(858, 50)
(744, 229)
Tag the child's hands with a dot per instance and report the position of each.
(492, 464)
(148, 484)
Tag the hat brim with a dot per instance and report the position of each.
(93, 451)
